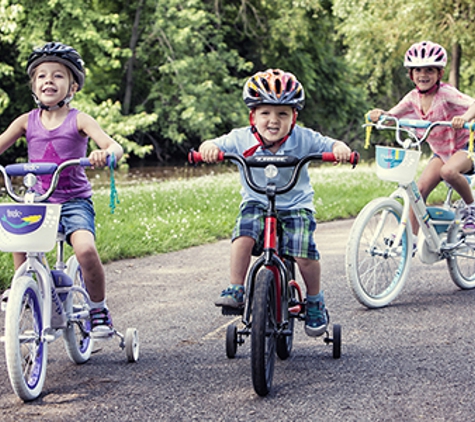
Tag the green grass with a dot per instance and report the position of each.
(162, 216)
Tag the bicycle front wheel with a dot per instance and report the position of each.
(286, 338)
(263, 332)
(76, 336)
(377, 270)
(26, 351)
(461, 262)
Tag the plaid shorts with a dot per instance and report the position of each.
(298, 228)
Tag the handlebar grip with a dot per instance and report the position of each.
(330, 157)
(84, 162)
(354, 158)
(194, 157)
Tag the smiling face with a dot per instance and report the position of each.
(52, 82)
(273, 122)
(426, 77)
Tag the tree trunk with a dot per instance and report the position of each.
(129, 78)
(454, 74)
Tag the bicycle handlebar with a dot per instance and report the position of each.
(404, 125)
(194, 157)
(53, 169)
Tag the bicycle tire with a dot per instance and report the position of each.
(284, 342)
(461, 262)
(263, 332)
(231, 341)
(377, 279)
(76, 337)
(26, 351)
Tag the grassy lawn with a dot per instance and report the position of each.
(159, 216)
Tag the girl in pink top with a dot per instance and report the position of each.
(433, 100)
(55, 133)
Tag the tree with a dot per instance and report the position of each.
(84, 24)
(377, 37)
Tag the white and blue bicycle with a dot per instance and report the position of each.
(43, 303)
(380, 245)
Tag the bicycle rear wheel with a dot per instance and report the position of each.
(263, 332)
(461, 263)
(26, 351)
(76, 335)
(375, 275)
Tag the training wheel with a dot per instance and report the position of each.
(231, 341)
(336, 341)
(132, 344)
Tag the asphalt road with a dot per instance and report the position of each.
(411, 361)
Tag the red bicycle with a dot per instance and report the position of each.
(274, 299)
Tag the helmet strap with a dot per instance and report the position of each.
(432, 89)
(261, 143)
(62, 103)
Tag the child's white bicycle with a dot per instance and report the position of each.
(43, 303)
(380, 246)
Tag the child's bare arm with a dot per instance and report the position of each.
(459, 121)
(15, 131)
(107, 145)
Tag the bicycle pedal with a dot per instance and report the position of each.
(228, 310)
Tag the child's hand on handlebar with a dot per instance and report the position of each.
(458, 122)
(209, 152)
(98, 158)
(375, 114)
(341, 151)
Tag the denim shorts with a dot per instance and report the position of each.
(78, 214)
(298, 228)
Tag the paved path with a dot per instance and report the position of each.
(412, 361)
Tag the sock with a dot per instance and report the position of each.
(315, 298)
(98, 305)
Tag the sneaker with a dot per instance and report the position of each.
(232, 297)
(101, 323)
(4, 300)
(468, 219)
(316, 321)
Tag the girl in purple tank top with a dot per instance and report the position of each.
(55, 132)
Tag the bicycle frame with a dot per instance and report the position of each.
(42, 304)
(409, 192)
(270, 258)
(272, 261)
(380, 246)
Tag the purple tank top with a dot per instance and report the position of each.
(56, 146)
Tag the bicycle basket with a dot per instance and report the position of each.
(28, 227)
(396, 164)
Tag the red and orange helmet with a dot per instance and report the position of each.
(274, 87)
